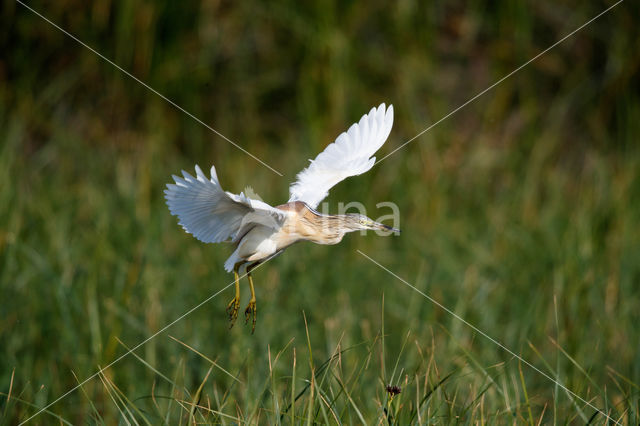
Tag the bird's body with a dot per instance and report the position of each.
(301, 223)
(261, 231)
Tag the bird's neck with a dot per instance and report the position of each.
(323, 228)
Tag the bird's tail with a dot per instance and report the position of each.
(230, 263)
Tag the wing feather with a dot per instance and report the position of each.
(350, 155)
(212, 215)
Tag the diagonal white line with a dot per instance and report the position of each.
(163, 329)
(503, 347)
(500, 81)
(149, 87)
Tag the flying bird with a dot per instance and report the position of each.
(261, 231)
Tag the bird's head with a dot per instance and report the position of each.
(359, 222)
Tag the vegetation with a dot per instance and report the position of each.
(519, 213)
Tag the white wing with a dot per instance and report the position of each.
(213, 215)
(350, 155)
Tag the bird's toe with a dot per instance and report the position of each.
(251, 311)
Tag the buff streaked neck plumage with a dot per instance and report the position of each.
(322, 228)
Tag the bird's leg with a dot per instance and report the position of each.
(234, 305)
(251, 307)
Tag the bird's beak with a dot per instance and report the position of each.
(383, 227)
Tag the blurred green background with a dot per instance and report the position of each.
(520, 213)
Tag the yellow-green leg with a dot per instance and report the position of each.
(234, 305)
(251, 307)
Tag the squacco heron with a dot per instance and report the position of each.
(261, 231)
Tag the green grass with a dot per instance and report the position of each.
(519, 213)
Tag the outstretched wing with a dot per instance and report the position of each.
(211, 214)
(350, 155)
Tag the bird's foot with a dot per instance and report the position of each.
(251, 309)
(232, 310)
